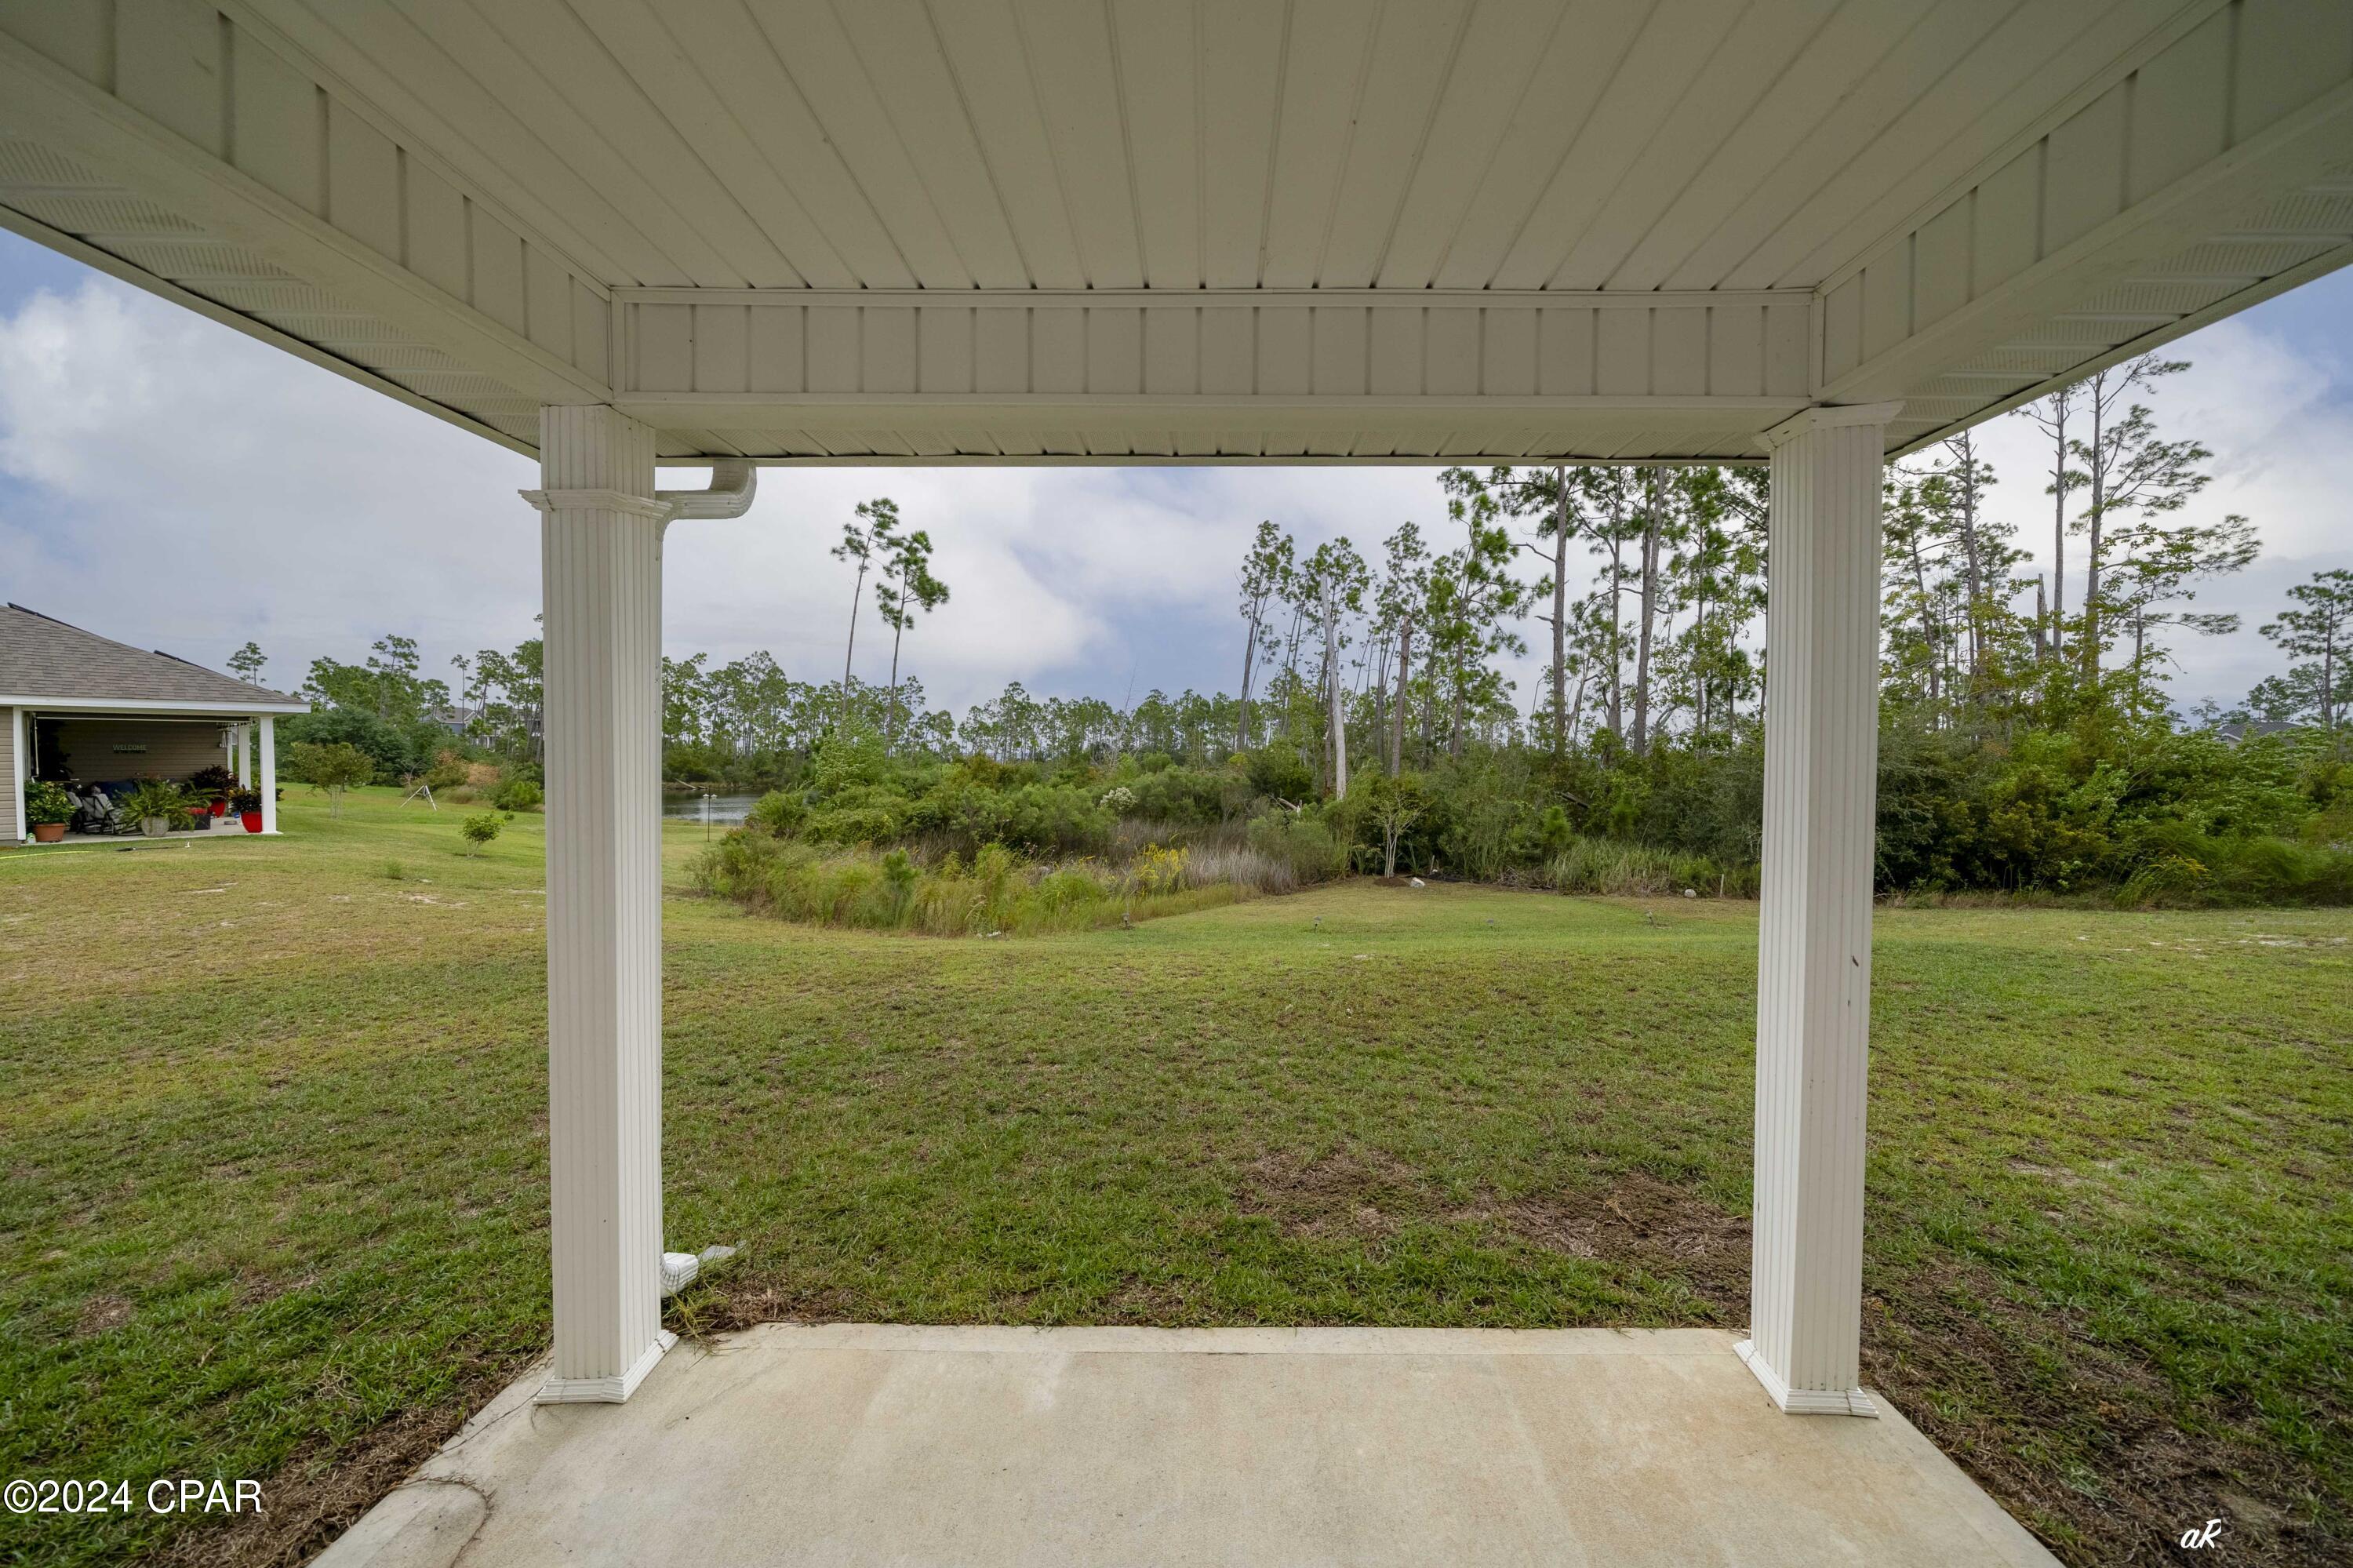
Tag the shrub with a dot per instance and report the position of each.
(448, 771)
(1300, 843)
(778, 813)
(331, 768)
(479, 830)
(47, 802)
(516, 795)
(1278, 772)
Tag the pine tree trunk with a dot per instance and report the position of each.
(1617, 624)
(1250, 658)
(891, 711)
(2059, 535)
(1927, 627)
(856, 592)
(1641, 735)
(1405, 666)
(2092, 564)
(1560, 615)
(1339, 718)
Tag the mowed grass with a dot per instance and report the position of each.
(274, 1144)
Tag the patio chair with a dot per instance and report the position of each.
(95, 810)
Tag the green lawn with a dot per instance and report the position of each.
(274, 1148)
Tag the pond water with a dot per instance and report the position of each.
(726, 811)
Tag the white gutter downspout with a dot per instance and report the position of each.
(733, 483)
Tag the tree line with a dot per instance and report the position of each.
(2029, 737)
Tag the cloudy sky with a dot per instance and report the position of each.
(171, 482)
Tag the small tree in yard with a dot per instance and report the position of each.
(1395, 802)
(333, 768)
(480, 831)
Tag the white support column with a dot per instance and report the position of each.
(20, 766)
(601, 568)
(1813, 972)
(240, 754)
(268, 783)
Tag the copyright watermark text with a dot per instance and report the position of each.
(166, 1494)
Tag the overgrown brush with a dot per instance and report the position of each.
(2181, 867)
(994, 892)
(1641, 870)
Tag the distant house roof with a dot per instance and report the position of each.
(2254, 730)
(46, 661)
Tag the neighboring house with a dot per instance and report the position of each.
(77, 707)
(2253, 729)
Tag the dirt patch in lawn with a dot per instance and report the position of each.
(2080, 1444)
(1660, 1228)
(1635, 1218)
(100, 1313)
(1356, 1194)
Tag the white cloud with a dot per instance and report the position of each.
(183, 486)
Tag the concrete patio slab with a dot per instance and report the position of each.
(852, 1444)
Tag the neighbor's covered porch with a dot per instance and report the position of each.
(92, 749)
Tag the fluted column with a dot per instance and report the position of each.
(601, 570)
(267, 746)
(1813, 972)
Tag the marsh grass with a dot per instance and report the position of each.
(1615, 869)
(997, 893)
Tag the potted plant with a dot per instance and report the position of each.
(154, 804)
(48, 808)
(247, 804)
(212, 785)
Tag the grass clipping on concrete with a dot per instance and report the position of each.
(273, 1182)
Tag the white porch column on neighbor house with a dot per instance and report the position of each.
(239, 754)
(268, 770)
(601, 569)
(1813, 972)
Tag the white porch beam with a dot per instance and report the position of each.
(1813, 983)
(269, 747)
(601, 564)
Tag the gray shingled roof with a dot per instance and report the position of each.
(43, 658)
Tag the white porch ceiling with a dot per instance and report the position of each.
(1207, 230)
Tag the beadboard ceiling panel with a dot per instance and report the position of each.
(1254, 211)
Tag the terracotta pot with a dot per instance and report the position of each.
(48, 832)
(252, 820)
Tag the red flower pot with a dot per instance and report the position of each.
(252, 820)
(220, 807)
